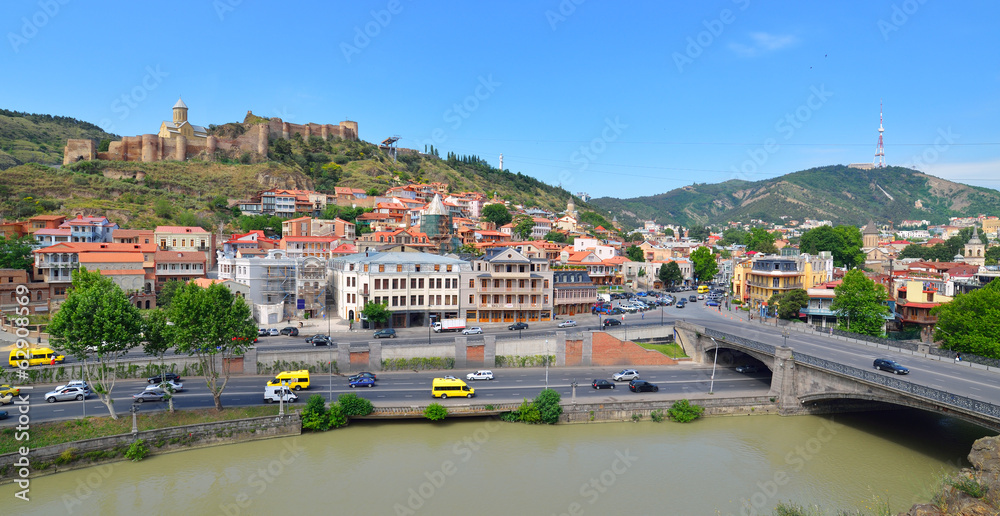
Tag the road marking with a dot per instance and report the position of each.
(58, 410)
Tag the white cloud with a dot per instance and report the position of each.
(762, 42)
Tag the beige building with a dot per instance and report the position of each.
(180, 126)
(507, 286)
(186, 238)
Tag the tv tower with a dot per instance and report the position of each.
(879, 161)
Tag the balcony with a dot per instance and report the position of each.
(770, 285)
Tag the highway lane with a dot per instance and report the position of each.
(405, 388)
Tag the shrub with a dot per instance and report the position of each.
(353, 405)
(636, 418)
(967, 485)
(337, 417)
(315, 416)
(137, 451)
(657, 416)
(69, 455)
(547, 404)
(435, 412)
(683, 411)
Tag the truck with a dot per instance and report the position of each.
(604, 297)
(449, 325)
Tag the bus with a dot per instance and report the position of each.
(35, 356)
(703, 289)
(444, 387)
(292, 379)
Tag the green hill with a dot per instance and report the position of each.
(31, 138)
(837, 193)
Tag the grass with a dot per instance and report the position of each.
(670, 350)
(58, 432)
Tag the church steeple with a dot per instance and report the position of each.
(180, 112)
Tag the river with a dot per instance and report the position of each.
(722, 465)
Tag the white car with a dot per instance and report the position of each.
(273, 332)
(480, 375)
(174, 385)
(625, 374)
(75, 383)
(66, 393)
(475, 330)
(567, 324)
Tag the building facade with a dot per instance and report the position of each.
(506, 286)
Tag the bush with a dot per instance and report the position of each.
(657, 416)
(315, 416)
(967, 485)
(683, 411)
(137, 451)
(353, 405)
(435, 412)
(337, 417)
(547, 404)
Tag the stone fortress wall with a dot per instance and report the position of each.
(151, 147)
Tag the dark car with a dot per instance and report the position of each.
(3, 414)
(290, 331)
(747, 369)
(603, 384)
(384, 333)
(518, 326)
(165, 377)
(361, 382)
(320, 340)
(884, 364)
(693, 299)
(364, 374)
(642, 386)
(615, 311)
(612, 322)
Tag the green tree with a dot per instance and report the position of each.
(844, 242)
(992, 255)
(683, 411)
(669, 232)
(849, 253)
(354, 405)
(699, 233)
(376, 313)
(547, 404)
(15, 253)
(167, 291)
(635, 253)
(789, 303)
(211, 323)
(523, 226)
(970, 323)
(315, 416)
(860, 304)
(497, 214)
(435, 412)
(98, 325)
(555, 236)
(761, 241)
(670, 274)
(705, 266)
(733, 236)
(163, 208)
(156, 342)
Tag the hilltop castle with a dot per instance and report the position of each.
(180, 140)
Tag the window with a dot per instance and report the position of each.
(421, 284)
(448, 268)
(437, 267)
(381, 268)
(472, 283)
(420, 300)
(413, 283)
(399, 267)
(413, 300)
(395, 283)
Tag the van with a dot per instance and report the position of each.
(273, 394)
(292, 379)
(34, 356)
(703, 289)
(445, 387)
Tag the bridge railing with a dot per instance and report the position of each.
(891, 382)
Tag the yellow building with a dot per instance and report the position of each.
(770, 275)
(180, 125)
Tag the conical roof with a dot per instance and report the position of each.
(975, 237)
(435, 207)
(180, 104)
(870, 229)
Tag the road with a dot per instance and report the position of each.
(405, 388)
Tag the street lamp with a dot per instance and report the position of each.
(784, 334)
(715, 360)
(546, 363)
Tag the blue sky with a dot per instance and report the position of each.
(609, 98)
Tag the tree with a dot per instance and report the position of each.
(761, 241)
(376, 313)
(497, 214)
(970, 323)
(789, 303)
(860, 304)
(547, 403)
(699, 233)
(733, 236)
(849, 254)
(683, 411)
(992, 255)
(97, 321)
(555, 236)
(156, 342)
(166, 293)
(15, 253)
(211, 323)
(670, 274)
(635, 253)
(705, 267)
(523, 226)
(435, 412)
(669, 232)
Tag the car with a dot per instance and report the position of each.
(701, 296)
(681, 303)
(885, 364)
(66, 393)
(263, 332)
(290, 331)
(567, 324)
(76, 383)
(160, 378)
(615, 311)
(385, 333)
(747, 369)
(6, 399)
(482, 374)
(625, 374)
(3, 414)
(364, 374)
(711, 302)
(642, 386)
(612, 322)
(449, 377)
(174, 385)
(361, 382)
(475, 330)
(274, 332)
(320, 340)
(518, 326)
(7, 389)
(602, 384)
(149, 395)
(693, 299)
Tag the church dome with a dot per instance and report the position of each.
(180, 104)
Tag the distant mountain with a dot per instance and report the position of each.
(31, 138)
(837, 193)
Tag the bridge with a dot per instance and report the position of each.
(803, 382)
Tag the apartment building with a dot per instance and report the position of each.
(507, 286)
(573, 292)
(186, 238)
(770, 275)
